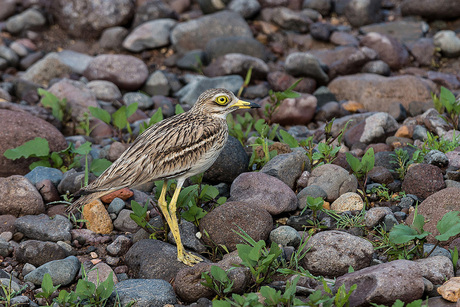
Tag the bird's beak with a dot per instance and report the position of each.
(246, 105)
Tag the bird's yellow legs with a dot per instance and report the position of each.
(171, 219)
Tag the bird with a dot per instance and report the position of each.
(177, 147)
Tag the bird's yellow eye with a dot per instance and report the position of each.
(222, 100)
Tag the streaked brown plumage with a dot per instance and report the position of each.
(175, 148)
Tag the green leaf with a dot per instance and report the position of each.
(131, 109)
(219, 274)
(217, 303)
(156, 117)
(44, 163)
(119, 117)
(288, 139)
(368, 160)
(83, 149)
(98, 166)
(37, 147)
(354, 162)
(271, 296)
(401, 234)
(100, 114)
(179, 109)
(448, 226)
(85, 288)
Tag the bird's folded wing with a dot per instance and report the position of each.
(163, 151)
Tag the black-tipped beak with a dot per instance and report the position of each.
(241, 104)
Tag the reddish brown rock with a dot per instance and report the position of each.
(123, 194)
(292, 111)
(433, 209)
(48, 190)
(18, 128)
(388, 48)
(423, 180)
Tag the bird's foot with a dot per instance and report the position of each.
(189, 258)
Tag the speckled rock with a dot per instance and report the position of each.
(423, 180)
(42, 227)
(287, 167)
(18, 128)
(145, 292)
(19, 197)
(331, 253)
(262, 191)
(221, 224)
(399, 279)
(348, 202)
(194, 34)
(334, 180)
(126, 71)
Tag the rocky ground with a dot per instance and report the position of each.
(371, 63)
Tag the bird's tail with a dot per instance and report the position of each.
(85, 199)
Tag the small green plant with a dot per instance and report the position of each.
(47, 289)
(8, 293)
(267, 135)
(84, 125)
(119, 118)
(315, 205)
(217, 280)
(240, 126)
(362, 168)
(139, 216)
(344, 220)
(59, 107)
(403, 161)
(258, 259)
(434, 142)
(63, 160)
(447, 102)
(156, 117)
(86, 292)
(328, 298)
(318, 154)
(272, 297)
(383, 193)
(276, 98)
(414, 236)
(192, 198)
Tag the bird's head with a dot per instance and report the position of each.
(219, 102)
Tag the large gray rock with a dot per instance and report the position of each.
(334, 180)
(90, 18)
(149, 35)
(145, 292)
(153, 259)
(46, 69)
(331, 253)
(38, 252)
(263, 191)
(42, 227)
(377, 93)
(62, 271)
(126, 71)
(287, 167)
(19, 197)
(384, 283)
(195, 34)
(442, 9)
(223, 223)
(307, 65)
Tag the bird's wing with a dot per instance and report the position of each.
(165, 150)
